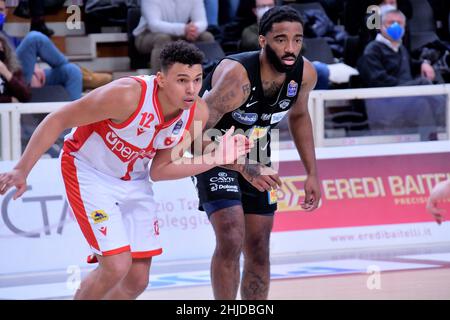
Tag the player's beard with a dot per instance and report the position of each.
(276, 62)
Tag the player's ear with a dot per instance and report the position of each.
(262, 41)
(160, 78)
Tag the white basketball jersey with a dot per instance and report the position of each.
(125, 150)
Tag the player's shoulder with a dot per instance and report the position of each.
(309, 73)
(124, 91)
(230, 68)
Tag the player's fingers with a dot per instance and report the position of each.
(229, 133)
(272, 181)
(20, 191)
(277, 179)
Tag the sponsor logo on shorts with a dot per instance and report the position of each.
(226, 187)
(272, 194)
(222, 177)
(99, 216)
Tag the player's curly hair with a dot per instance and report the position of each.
(278, 14)
(182, 52)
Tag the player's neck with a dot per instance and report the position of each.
(169, 111)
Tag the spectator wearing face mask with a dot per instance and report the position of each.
(249, 38)
(386, 63)
(12, 83)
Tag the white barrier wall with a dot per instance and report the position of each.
(37, 233)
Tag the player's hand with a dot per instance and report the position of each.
(439, 192)
(262, 177)
(312, 194)
(232, 147)
(14, 178)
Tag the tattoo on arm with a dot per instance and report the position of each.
(252, 170)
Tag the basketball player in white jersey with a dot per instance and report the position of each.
(124, 134)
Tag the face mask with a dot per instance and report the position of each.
(2, 56)
(395, 31)
(386, 7)
(2, 20)
(261, 10)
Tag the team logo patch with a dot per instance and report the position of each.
(99, 216)
(283, 104)
(244, 118)
(258, 132)
(177, 128)
(292, 89)
(277, 117)
(266, 117)
(272, 195)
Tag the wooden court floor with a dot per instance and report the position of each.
(433, 283)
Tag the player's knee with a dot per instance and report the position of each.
(257, 251)
(116, 270)
(229, 244)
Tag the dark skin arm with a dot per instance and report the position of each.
(301, 130)
(230, 89)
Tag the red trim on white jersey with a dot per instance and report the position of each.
(79, 137)
(146, 254)
(138, 109)
(69, 173)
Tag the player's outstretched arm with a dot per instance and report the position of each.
(440, 192)
(116, 101)
(169, 164)
(300, 127)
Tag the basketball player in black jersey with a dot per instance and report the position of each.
(253, 91)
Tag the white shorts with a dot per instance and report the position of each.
(114, 215)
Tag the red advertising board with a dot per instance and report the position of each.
(362, 191)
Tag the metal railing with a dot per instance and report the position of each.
(10, 113)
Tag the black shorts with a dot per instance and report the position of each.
(220, 188)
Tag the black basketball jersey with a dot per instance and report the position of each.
(257, 116)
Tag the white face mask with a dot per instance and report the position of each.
(386, 7)
(261, 10)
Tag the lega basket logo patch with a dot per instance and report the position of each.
(99, 216)
(292, 89)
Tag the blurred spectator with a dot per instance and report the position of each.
(228, 10)
(37, 14)
(36, 45)
(250, 41)
(212, 12)
(441, 11)
(12, 83)
(102, 13)
(35, 10)
(386, 63)
(250, 35)
(169, 20)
